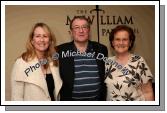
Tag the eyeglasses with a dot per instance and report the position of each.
(77, 28)
(121, 40)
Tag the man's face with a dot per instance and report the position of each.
(80, 30)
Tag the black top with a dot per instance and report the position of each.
(51, 86)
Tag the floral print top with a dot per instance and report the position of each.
(124, 82)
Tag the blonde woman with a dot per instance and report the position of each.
(35, 76)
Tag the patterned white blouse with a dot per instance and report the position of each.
(124, 82)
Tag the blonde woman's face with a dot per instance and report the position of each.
(40, 40)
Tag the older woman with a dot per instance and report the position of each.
(35, 76)
(128, 76)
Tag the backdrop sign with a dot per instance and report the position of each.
(140, 17)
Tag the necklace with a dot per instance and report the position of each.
(123, 60)
(44, 71)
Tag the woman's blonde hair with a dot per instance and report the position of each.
(30, 51)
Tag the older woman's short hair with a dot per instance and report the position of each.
(123, 28)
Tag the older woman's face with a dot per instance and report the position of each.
(40, 40)
(121, 42)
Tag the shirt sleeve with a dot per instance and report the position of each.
(144, 71)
